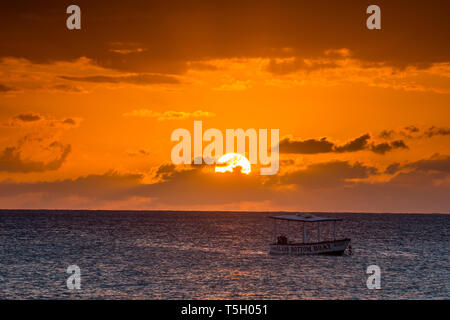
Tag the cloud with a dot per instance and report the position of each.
(11, 160)
(437, 163)
(172, 37)
(140, 152)
(138, 79)
(38, 149)
(192, 186)
(354, 145)
(110, 185)
(198, 184)
(386, 134)
(236, 74)
(4, 88)
(415, 132)
(313, 146)
(30, 118)
(165, 171)
(329, 174)
(144, 152)
(393, 168)
(254, 72)
(70, 121)
(412, 129)
(168, 115)
(436, 131)
(329, 186)
(384, 147)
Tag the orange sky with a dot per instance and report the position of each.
(86, 116)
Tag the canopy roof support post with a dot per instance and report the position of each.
(304, 232)
(275, 229)
(334, 230)
(318, 232)
(288, 232)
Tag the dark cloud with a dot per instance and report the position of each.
(393, 168)
(4, 88)
(70, 121)
(412, 129)
(110, 185)
(331, 186)
(65, 122)
(386, 134)
(194, 186)
(412, 192)
(140, 79)
(382, 148)
(144, 152)
(171, 33)
(198, 185)
(11, 161)
(310, 146)
(436, 131)
(191, 186)
(436, 163)
(165, 171)
(409, 132)
(28, 117)
(354, 145)
(398, 144)
(329, 174)
(420, 178)
(414, 132)
(140, 152)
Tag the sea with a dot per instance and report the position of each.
(217, 255)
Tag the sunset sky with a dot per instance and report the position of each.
(86, 115)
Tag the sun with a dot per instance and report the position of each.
(229, 161)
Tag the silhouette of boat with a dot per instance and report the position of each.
(284, 245)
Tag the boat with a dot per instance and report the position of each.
(285, 245)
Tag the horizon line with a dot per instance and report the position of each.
(230, 211)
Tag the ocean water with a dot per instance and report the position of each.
(216, 255)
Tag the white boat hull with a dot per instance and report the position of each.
(334, 247)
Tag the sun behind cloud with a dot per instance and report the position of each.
(229, 161)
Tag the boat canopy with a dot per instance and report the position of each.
(304, 218)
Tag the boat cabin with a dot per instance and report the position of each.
(284, 244)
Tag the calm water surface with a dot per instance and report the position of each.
(213, 255)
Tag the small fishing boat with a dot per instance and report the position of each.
(284, 245)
